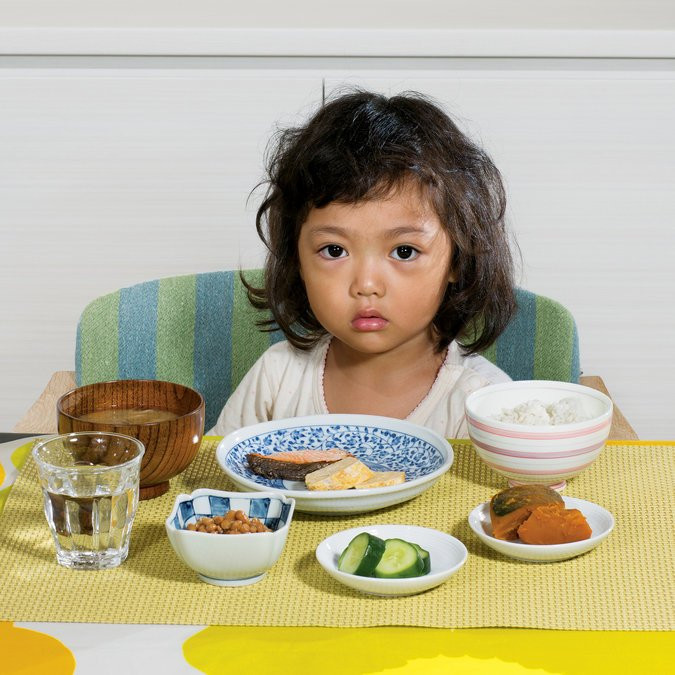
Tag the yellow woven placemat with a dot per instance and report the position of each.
(624, 584)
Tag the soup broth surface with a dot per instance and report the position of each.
(125, 416)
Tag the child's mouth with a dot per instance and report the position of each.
(368, 320)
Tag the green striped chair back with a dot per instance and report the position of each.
(199, 330)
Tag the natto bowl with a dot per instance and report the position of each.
(229, 559)
(543, 454)
(168, 418)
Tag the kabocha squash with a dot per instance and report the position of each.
(511, 507)
(554, 524)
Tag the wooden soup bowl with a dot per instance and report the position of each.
(170, 445)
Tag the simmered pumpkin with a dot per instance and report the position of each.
(511, 507)
(554, 524)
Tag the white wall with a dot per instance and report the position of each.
(499, 28)
(119, 169)
(378, 14)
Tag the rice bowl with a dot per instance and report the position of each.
(547, 454)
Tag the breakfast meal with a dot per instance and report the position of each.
(351, 473)
(233, 522)
(369, 556)
(534, 412)
(552, 524)
(129, 416)
(535, 514)
(295, 464)
(510, 508)
(332, 469)
(382, 479)
(343, 475)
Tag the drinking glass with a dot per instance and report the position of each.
(90, 487)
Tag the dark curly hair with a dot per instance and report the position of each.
(363, 145)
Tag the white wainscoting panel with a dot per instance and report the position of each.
(111, 176)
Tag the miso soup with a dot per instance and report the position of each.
(127, 416)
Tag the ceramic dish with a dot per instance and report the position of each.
(447, 556)
(229, 559)
(383, 443)
(600, 520)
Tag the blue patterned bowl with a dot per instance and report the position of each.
(382, 443)
(233, 559)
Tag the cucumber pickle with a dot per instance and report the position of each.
(399, 560)
(426, 558)
(369, 556)
(362, 555)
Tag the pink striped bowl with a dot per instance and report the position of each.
(544, 454)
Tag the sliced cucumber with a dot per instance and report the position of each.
(400, 559)
(426, 558)
(362, 555)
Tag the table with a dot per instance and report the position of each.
(100, 648)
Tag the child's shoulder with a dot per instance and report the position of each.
(475, 366)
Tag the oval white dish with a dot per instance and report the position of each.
(600, 520)
(447, 555)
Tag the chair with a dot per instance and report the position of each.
(200, 331)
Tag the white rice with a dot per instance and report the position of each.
(535, 412)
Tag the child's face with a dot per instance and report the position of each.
(376, 271)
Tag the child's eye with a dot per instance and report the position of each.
(405, 253)
(332, 251)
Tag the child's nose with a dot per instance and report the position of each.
(367, 280)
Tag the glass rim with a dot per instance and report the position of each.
(87, 468)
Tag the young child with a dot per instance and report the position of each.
(388, 268)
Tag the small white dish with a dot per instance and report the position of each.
(229, 559)
(600, 520)
(447, 556)
(382, 443)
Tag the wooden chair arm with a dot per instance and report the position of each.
(41, 416)
(621, 428)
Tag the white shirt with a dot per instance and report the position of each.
(288, 382)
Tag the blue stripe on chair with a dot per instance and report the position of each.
(213, 340)
(138, 331)
(515, 346)
(276, 336)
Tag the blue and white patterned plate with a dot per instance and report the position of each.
(382, 443)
